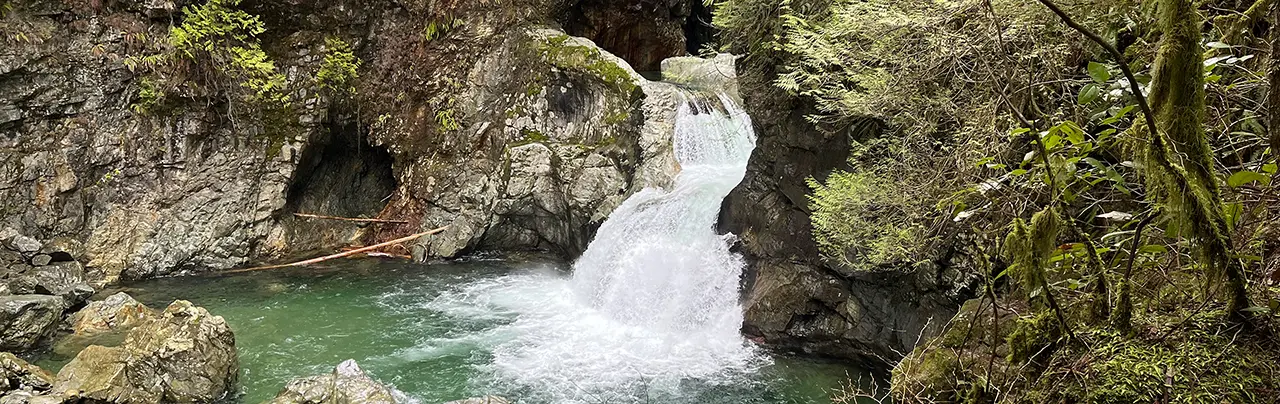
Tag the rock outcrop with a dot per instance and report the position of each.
(348, 384)
(26, 320)
(796, 300)
(184, 354)
(643, 32)
(517, 137)
(22, 378)
(118, 312)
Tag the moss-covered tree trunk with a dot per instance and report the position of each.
(1273, 77)
(1190, 188)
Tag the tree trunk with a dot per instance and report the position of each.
(1178, 101)
(1273, 77)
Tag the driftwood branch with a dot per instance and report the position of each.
(344, 254)
(349, 219)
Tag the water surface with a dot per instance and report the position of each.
(446, 331)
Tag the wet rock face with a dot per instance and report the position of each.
(793, 298)
(348, 384)
(642, 32)
(570, 131)
(184, 355)
(190, 189)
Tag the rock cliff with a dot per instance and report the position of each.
(464, 114)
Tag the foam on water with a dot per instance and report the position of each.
(653, 302)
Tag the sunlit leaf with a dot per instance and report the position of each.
(1099, 72)
(1245, 177)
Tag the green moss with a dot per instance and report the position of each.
(532, 136)
(617, 117)
(559, 52)
(1032, 337)
(1194, 365)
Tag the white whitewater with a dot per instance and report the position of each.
(653, 302)
(657, 261)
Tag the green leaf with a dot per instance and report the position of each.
(1018, 172)
(1153, 249)
(1088, 94)
(1233, 212)
(1245, 177)
(1073, 132)
(1218, 45)
(1099, 72)
(1269, 168)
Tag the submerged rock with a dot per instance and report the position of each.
(348, 384)
(27, 319)
(183, 355)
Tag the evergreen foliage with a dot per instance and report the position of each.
(225, 37)
(339, 71)
(997, 110)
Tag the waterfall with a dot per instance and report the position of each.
(657, 261)
(652, 305)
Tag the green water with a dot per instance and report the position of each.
(436, 332)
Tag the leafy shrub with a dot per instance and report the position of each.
(226, 39)
(863, 221)
(339, 70)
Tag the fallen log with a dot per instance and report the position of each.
(343, 254)
(349, 219)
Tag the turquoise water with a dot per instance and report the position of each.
(447, 331)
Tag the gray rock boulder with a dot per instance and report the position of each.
(24, 244)
(183, 355)
(27, 319)
(17, 374)
(117, 312)
(348, 384)
(63, 279)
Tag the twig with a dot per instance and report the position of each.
(344, 254)
(349, 219)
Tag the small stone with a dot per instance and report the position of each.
(41, 260)
(24, 244)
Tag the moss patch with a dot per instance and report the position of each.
(560, 52)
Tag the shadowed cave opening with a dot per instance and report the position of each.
(340, 174)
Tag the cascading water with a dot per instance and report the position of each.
(653, 302)
(657, 262)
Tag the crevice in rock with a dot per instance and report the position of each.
(339, 174)
(698, 31)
